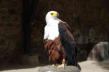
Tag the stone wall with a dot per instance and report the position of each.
(10, 28)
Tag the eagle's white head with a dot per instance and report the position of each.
(52, 16)
(51, 30)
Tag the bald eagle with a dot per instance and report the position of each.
(59, 41)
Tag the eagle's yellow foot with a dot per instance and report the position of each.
(53, 65)
(62, 65)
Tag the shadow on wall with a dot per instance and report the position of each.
(24, 62)
(84, 50)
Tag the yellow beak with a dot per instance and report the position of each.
(54, 14)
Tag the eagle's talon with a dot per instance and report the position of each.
(61, 66)
(53, 65)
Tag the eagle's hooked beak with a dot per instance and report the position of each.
(54, 14)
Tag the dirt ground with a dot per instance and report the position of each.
(86, 66)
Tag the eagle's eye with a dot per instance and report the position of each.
(51, 13)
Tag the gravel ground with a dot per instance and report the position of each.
(86, 66)
(46, 69)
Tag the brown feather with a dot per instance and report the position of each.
(55, 50)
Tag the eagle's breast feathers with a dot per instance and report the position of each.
(55, 50)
